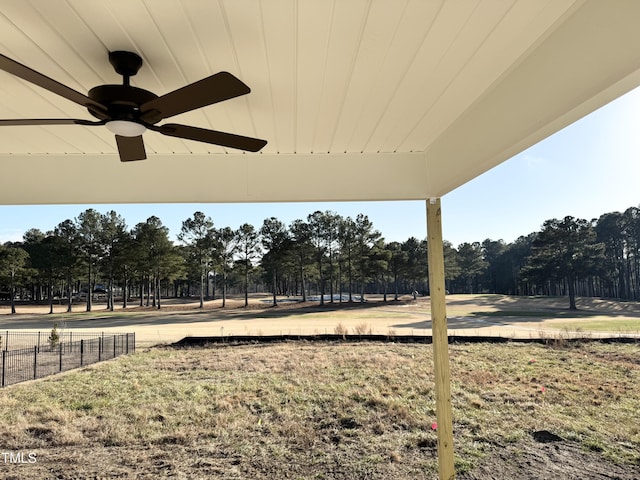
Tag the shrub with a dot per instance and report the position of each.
(341, 330)
(362, 329)
(54, 338)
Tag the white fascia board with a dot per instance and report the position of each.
(89, 179)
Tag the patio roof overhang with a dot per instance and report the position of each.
(368, 100)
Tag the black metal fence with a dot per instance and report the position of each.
(17, 339)
(46, 357)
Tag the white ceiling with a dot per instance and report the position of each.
(359, 99)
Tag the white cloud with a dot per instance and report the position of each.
(534, 162)
(10, 236)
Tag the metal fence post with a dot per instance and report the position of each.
(60, 356)
(114, 346)
(99, 348)
(127, 345)
(6, 342)
(38, 340)
(35, 362)
(4, 361)
(81, 351)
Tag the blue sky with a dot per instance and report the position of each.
(589, 168)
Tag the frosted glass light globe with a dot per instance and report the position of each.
(125, 128)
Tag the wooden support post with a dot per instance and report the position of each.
(444, 417)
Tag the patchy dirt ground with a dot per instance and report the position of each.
(526, 460)
(555, 459)
(299, 410)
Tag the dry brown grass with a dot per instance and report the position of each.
(331, 410)
(341, 330)
(363, 328)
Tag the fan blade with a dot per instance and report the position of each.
(131, 148)
(210, 90)
(48, 121)
(210, 136)
(30, 75)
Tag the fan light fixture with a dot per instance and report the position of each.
(125, 128)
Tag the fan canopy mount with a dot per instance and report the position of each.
(128, 111)
(124, 63)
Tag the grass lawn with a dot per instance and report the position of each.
(624, 325)
(353, 315)
(323, 410)
(536, 313)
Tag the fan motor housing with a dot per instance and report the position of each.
(122, 101)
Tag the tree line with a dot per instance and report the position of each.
(97, 254)
(325, 254)
(568, 257)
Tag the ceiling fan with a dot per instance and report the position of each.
(128, 111)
